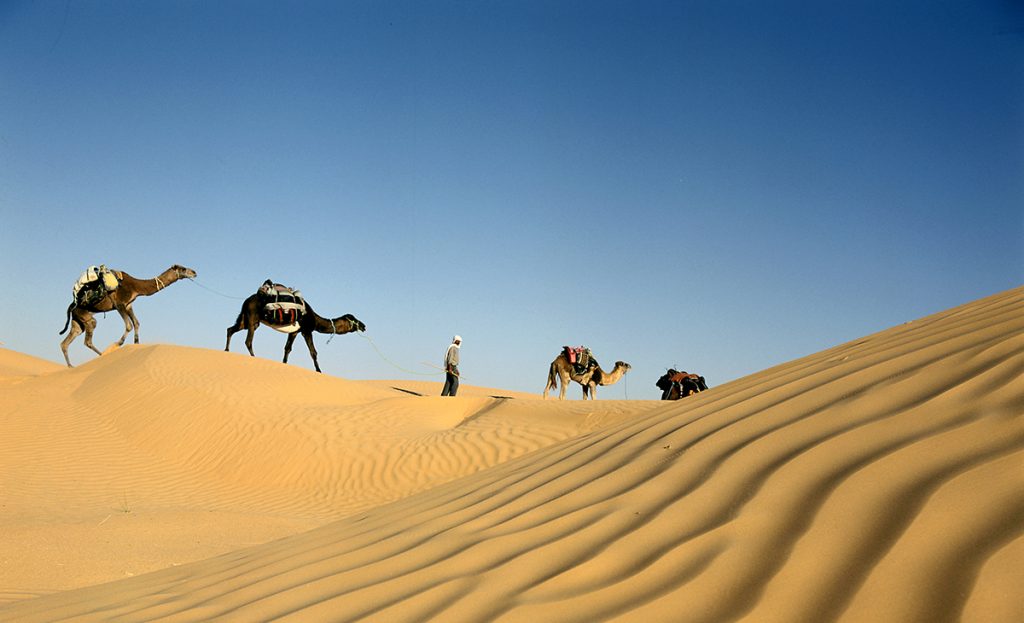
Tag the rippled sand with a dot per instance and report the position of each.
(880, 480)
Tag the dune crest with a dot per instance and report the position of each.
(879, 480)
(14, 364)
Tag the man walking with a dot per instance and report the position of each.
(451, 368)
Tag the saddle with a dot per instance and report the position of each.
(580, 357)
(281, 307)
(93, 285)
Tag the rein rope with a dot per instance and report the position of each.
(334, 331)
(392, 363)
(208, 289)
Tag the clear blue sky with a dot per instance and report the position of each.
(718, 186)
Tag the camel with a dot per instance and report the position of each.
(676, 385)
(249, 319)
(589, 380)
(80, 317)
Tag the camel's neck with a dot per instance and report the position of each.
(609, 378)
(331, 325)
(147, 287)
(323, 325)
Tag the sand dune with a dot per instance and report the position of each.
(13, 364)
(881, 480)
(152, 456)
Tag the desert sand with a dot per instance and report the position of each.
(879, 480)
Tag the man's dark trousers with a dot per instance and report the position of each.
(451, 383)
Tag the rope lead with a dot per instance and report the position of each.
(392, 363)
(227, 296)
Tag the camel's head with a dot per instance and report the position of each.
(355, 323)
(622, 364)
(183, 272)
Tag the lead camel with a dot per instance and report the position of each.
(80, 317)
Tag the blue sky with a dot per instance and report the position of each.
(716, 186)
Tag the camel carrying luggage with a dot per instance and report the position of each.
(680, 384)
(281, 307)
(94, 284)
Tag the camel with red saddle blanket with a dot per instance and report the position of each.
(579, 365)
(284, 309)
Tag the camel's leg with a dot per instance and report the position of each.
(233, 329)
(551, 383)
(288, 345)
(312, 349)
(564, 377)
(90, 326)
(248, 339)
(127, 324)
(74, 331)
(135, 322)
(589, 390)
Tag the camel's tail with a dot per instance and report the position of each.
(67, 323)
(239, 321)
(552, 377)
